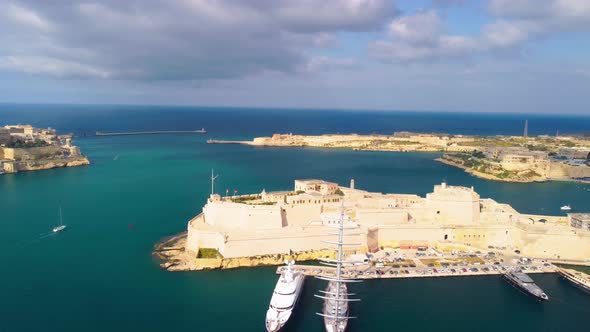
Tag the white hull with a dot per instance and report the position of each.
(284, 299)
(330, 309)
(59, 228)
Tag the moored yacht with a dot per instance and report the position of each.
(579, 279)
(566, 208)
(284, 298)
(524, 283)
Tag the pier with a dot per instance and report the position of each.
(159, 132)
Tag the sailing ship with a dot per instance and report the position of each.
(61, 225)
(579, 279)
(336, 311)
(284, 298)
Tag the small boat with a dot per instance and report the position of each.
(61, 225)
(525, 284)
(284, 298)
(579, 279)
(566, 208)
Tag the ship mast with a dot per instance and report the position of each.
(337, 296)
(213, 178)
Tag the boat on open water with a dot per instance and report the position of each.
(61, 225)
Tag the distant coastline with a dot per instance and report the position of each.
(498, 158)
(25, 148)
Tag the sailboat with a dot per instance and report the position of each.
(336, 297)
(61, 226)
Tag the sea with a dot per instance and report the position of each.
(99, 274)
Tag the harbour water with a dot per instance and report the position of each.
(99, 275)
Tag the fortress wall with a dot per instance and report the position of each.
(400, 233)
(294, 241)
(483, 236)
(454, 212)
(197, 238)
(382, 217)
(32, 153)
(242, 216)
(555, 245)
(563, 171)
(303, 214)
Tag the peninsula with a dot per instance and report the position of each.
(25, 148)
(502, 158)
(268, 227)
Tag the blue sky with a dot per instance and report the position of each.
(527, 56)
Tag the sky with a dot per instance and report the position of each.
(530, 56)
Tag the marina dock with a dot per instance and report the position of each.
(388, 272)
(160, 132)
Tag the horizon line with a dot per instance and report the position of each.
(307, 108)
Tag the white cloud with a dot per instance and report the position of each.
(422, 27)
(177, 40)
(24, 16)
(321, 63)
(423, 35)
(50, 66)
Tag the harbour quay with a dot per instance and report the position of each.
(405, 264)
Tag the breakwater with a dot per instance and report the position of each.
(158, 132)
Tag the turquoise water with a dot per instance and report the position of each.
(99, 275)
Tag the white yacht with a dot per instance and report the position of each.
(284, 298)
(566, 208)
(61, 225)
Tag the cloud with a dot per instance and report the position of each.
(420, 28)
(322, 63)
(176, 40)
(423, 35)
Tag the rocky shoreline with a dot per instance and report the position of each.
(476, 173)
(172, 256)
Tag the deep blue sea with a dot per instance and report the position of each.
(99, 274)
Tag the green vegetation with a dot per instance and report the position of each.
(267, 203)
(491, 142)
(531, 174)
(504, 174)
(478, 154)
(208, 253)
(242, 199)
(339, 192)
(532, 147)
(20, 144)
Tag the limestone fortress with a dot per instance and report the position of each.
(287, 222)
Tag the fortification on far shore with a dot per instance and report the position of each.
(288, 222)
(25, 148)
